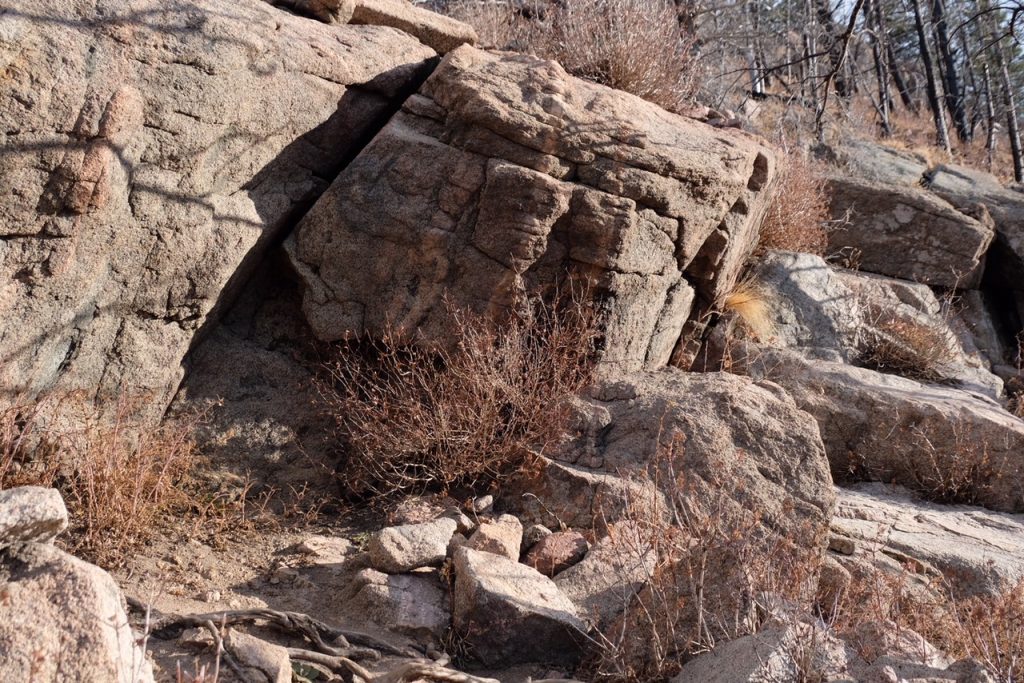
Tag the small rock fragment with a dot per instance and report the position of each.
(503, 536)
(400, 549)
(509, 613)
(31, 514)
(557, 552)
(533, 534)
(266, 660)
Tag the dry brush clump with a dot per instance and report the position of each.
(911, 347)
(717, 573)
(633, 45)
(799, 210)
(119, 475)
(413, 418)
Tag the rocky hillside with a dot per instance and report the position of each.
(328, 226)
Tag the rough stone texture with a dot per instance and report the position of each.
(503, 536)
(31, 513)
(771, 655)
(605, 581)
(879, 163)
(731, 437)
(403, 548)
(62, 619)
(410, 604)
(557, 552)
(534, 534)
(253, 379)
(504, 173)
(828, 312)
(907, 233)
(437, 31)
(883, 427)
(979, 551)
(509, 613)
(261, 660)
(152, 150)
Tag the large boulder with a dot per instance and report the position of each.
(62, 619)
(718, 440)
(977, 550)
(907, 233)
(152, 151)
(504, 174)
(828, 312)
(948, 443)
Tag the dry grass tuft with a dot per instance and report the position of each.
(900, 345)
(118, 475)
(799, 210)
(412, 418)
(751, 303)
(632, 45)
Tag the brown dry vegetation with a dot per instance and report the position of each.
(911, 348)
(118, 475)
(799, 210)
(632, 45)
(412, 418)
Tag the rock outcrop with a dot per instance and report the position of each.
(504, 174)
(152, 152)
(949, 443)
(907, 233)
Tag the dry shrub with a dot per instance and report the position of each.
(118, 474)
(799, 210)
(902, 345)
(991, 630)
(719, 575)
(632, 45)
(413, 418)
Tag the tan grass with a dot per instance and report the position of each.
(751, 303)
(413, 418)
(912, 348)
(632, 45)
(799, 210)
(118, 474)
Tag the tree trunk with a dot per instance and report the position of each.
(1011, 114)
(990, 119)
(941, 133)
(884, 105)
(951, 78)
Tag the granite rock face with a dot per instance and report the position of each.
(505, 174)
(151, 153)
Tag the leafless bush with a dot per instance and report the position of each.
(799, 210)
(719, 574)
(413, 418)
(963, 469)
(902, 345)
(990, 629)
(632, 45)
(118, 474)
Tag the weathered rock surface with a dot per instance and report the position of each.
(505, 173)
(403, 548)
(31, 513)
(62, 619)
(437, 31)
(879, 163)
(411, 604)
(259, 659)
(557, 552)
(327, 11)
(882, 427)
(510, 613)
(828, 312)
(722, 434)
(776, 653)
(977, 550)
(502, 536)
(907, 233)
(603, 584)
(151, 151)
